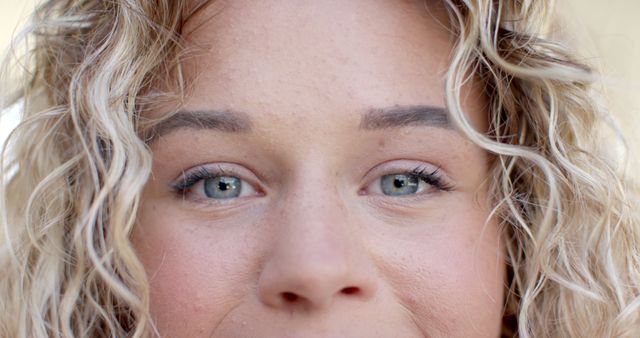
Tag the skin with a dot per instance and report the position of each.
(313, 247)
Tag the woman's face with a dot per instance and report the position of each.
(313, 186)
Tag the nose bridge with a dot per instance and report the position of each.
(315, 196)
(314, 203)
(316, 221)
(315, 258)
(315, 230)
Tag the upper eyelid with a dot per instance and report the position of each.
(218, 169)
(405, 167)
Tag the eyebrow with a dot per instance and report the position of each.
(405, 116)
(219, 120)
(230, 121)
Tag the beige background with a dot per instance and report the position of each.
(607, 32)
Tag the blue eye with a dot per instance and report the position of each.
(399, 184)
(222, 187)
(410, 182)
(218, 184)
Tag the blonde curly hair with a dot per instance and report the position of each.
(74, 169)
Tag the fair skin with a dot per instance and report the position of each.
(302, 202)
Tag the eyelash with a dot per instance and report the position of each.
(433, 178)
(189, 179)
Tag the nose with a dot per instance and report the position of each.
(317, 258)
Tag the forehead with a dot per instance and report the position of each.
(278, 58)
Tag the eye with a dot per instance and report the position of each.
(409, 182)
(218, 184)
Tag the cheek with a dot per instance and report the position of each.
(451, 277)
(196, 275)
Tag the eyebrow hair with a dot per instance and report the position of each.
(221, 120)
(404, 116)
(238, 122)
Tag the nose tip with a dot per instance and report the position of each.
(313, 292)
(313, 274)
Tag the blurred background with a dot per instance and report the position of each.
(607, 34)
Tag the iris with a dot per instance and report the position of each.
(399, 184)
(222, 187)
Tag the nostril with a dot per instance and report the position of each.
(289, 297)
(350, 290)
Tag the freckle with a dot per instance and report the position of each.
(381, 142)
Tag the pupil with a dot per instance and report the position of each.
(398, 182)
(223, 186)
